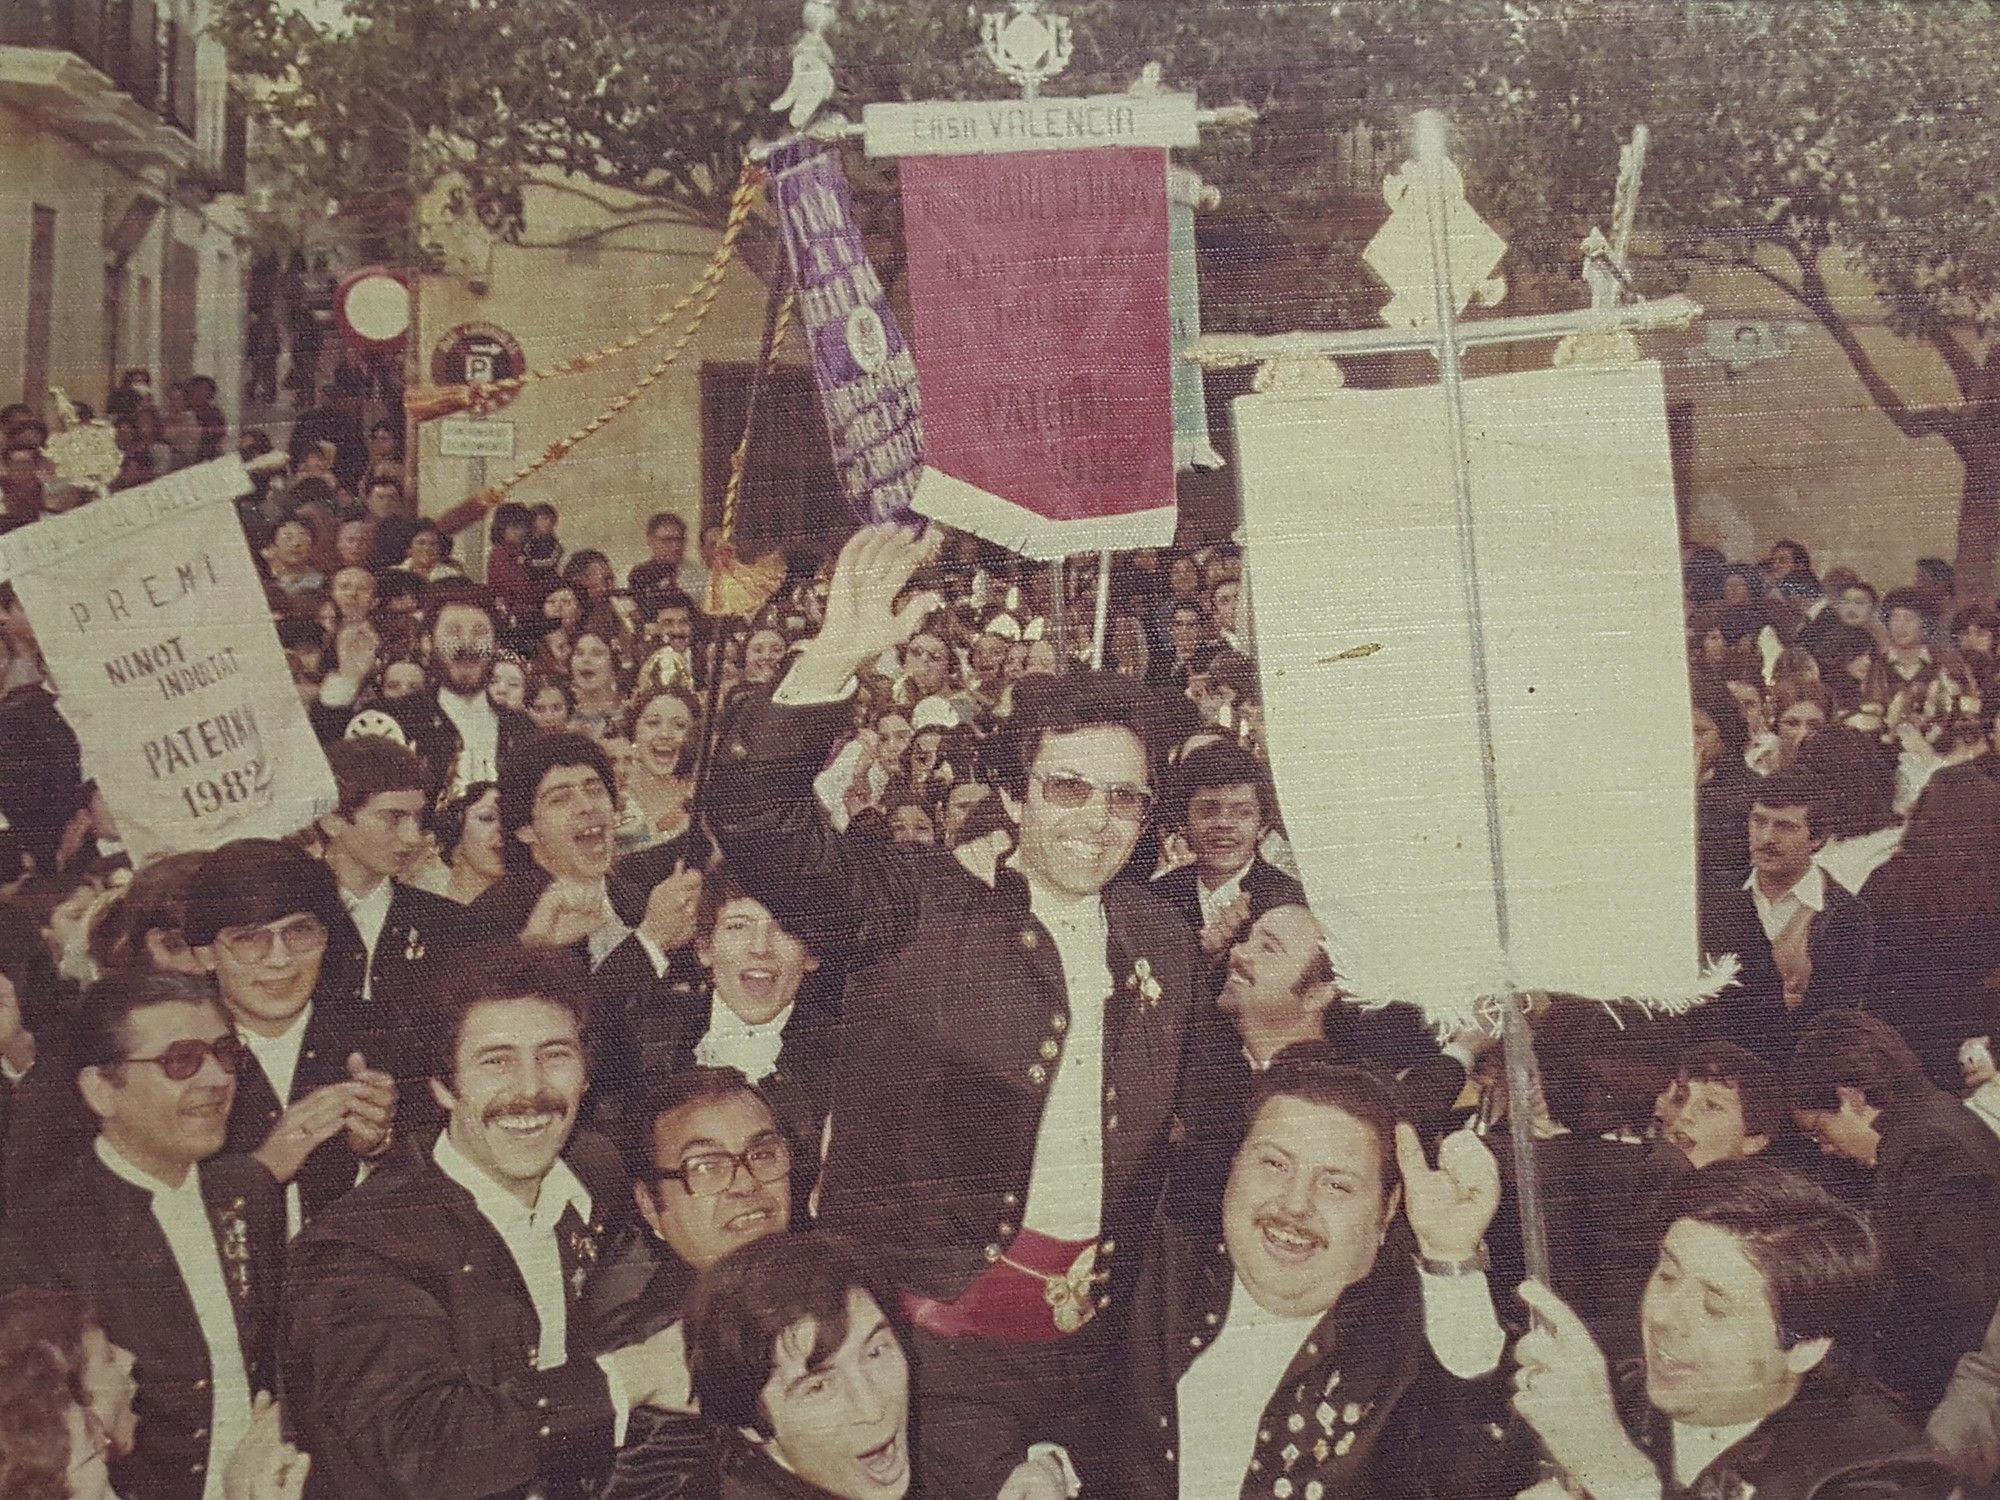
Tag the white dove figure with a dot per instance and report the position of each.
(812, 66)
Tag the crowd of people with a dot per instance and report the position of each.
(865, 1049)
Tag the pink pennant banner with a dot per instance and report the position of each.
(1044, 344)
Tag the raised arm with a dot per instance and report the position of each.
(760, 802)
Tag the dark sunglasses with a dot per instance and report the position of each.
(183, 1060)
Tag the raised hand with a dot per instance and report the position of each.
(862, 620)
(371, 1108)
(303, 1129)
(1562, 1389)
(568, 912)
(1449, 1205)
(670, 909)
(1219, 936)
(1037, 1478)
(264, 1466)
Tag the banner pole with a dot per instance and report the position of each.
(1103, 610)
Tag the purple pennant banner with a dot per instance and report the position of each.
(866, 377)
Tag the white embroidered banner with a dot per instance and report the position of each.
(1353, 545)
(155, 629)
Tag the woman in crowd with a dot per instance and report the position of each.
(468, 841)
(549, 701)
(658, 787)
(764, 654)
(594, 679)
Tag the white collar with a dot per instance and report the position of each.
(1059, 909)
(724, 1023)
(1246, 1315)
(1809, 889)
(458, 709)
(117, 1164)
(560, 1189)
(1695, 1448)
(1231, 885)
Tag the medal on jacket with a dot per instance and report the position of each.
(413, 946)
(1071, 1305)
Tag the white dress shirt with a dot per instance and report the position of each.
(1066, 1181)
(278, 1056)
(1695, 1448)
(1776, 915)
(1223, 1394)
(530, 1237)
(370, 914)
(732, 1042)
(1212, 902)
(478, 729)
(183, 1218)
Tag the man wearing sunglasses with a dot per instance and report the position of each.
(178, 1248)
(317, 1095)
(1011, 1038)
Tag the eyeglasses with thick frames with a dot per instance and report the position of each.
(710, 1174)
(302, 937)
(183, 1060)
(1069, 791)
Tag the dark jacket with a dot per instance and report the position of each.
(337, 1028)
(1929, 974)
(422, 935)
(676, 1456)
(1840, 946)
(1264, 883)
(1936, 1204)
(954, 1017)
(1838, 1439)
(435, 739)
(1364, 1411)
(409, 1344)
(97, 1237)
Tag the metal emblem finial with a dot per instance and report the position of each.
(1027, 47)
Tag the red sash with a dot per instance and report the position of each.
(1041, 1290)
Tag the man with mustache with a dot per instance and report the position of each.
(177, 1247)
(557, 812)
(1010, 1037)
(1278, 991)
(1760, 1308)
(1805, 940)
(1328, 1346)
(456, 729)
(438, 1319)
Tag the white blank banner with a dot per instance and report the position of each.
(1353, 543)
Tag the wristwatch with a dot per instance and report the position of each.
(1479, 1264)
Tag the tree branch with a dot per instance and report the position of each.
(1812, 294)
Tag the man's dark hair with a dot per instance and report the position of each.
(660, 599)
(1218, 767)
(369, 765)
(1860, 780)
(719, 886)
(522, 770)
(744, 1303)
(1313, 1072)
(1938, 571)
(101, 1036)
(249, 882)
(1974, 616)
(449, 822)
(1911, 599)
(1850, 1048)
(660, 1094)
(1045, 706)
(1795, 787)
(1725, 713)
(1755, 1081)
(504, 971)
(1822, 1267)
(508, 513)
(661, 519)
(454, 593)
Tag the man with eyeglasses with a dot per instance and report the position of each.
(440, 1321)
(1011, 1037)
(711, 1172)
(317, 1098)
(177, 1247)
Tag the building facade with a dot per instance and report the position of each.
(122, 234)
